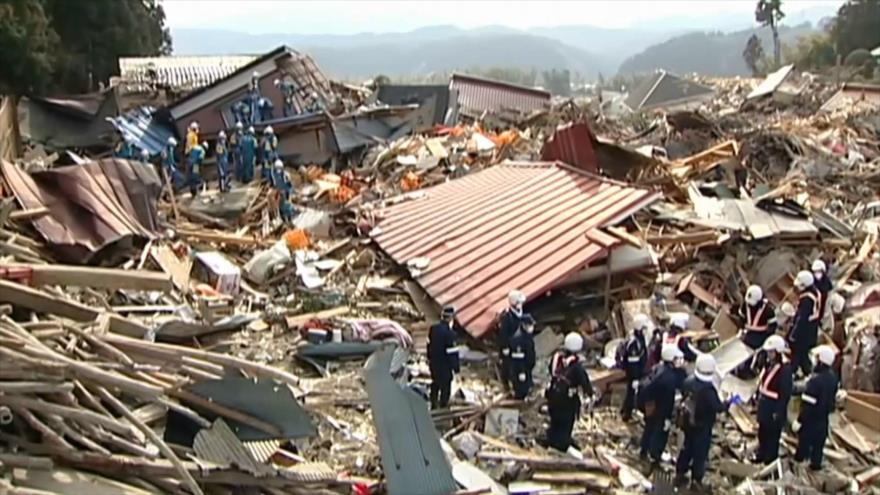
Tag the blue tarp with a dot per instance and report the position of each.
(140, 128)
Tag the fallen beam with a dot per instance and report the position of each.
(862, 411)
(544, 462)
(222, 237)
(98, 278)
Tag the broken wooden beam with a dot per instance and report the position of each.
(698, 237)
(544, 462)
(97, 278)
(858, 409)
(29, 214)
(222, 237)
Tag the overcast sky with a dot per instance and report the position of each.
(348, 17)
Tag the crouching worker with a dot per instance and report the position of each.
(442, 358)
(563, 400)
(522, 357)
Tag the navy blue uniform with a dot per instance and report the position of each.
(817, 403)
(633, 361)
(774, 392)
(759, 322)
(563, 399)
(442, 361)
(824, 287)
(507, 326)
(694, 454)
(522, 362)
(804, 330)
(674, 336)
(659, 390)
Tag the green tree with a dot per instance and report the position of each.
(94, 34)
(812, 52)
(857, 26)
(27, 47)
(769, 13)
(753, 53)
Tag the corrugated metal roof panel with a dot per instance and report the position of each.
(572, 144)
(515, 225)
(477, 95)
(178, 72)
(138, 127)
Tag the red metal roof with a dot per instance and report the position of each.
(523, 226)
(572, 144)
(477, 95)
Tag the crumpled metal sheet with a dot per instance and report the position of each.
(218, 444)
(92, 207)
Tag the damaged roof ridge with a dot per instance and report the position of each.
(501, 84)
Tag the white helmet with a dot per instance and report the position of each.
(642, 322)
(574, 342)
(268, 130)
(221, 135)
(255, 74)
(251, 129)
(204, 144)
(787, 309)
(193, 125)
(803, 280)
(819, 266)
(279, 164)
(277, 82)
(824, 354)
(837, 303)
(145, 154)
(516, 298)
(670, 352)
(774, 343)
(172, 141)
(754, 294)
(679, 320)
(239, 126)
(704, 368)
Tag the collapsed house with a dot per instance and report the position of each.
(669, 92)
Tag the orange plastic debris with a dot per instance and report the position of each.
(314, 173)
(410, 181)
(297, 239)
(342, 194)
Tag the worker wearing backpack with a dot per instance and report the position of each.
(563, 400)
(696, 417)
(657, 400)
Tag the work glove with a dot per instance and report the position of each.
(521, 377)
(667, 425)
(841, 395)
(505, 351)
(635, 384)
(796, 426)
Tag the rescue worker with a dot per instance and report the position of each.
(253, 97)
(567, 375)
(316, 105)
(192, 137)
(242, 111)
(633, 359)
(288, 90)
(123, 149)
(248, 155)
(817, 403)
(235, 137)
(145, 156)
(774, 392)
(221, 151)
(509, 322)
(266, 109)
(678, 324)
(268, 151)
(657, 400)
(805, 327)
(758, 316)
(281, 183)
(701, 406)
(522, 357)
(442, 357)
(169, 163)
(197, 156)
(823, 285)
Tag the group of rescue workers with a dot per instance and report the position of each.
(237, 150)
(657, 381)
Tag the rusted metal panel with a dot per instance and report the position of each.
(477, 95)
(517, 225)
(92, 207)
(572, 144)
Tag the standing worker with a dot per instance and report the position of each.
(507, 326)
(442, 358)
(774, 392)
(283, 186)
(192, 137)
(268, 151)
(567, 374)
(235, 138)
(253, 97)
(221, 150)
(699, 410)
(169, 163)
(288, 90)
(657, 398)
(248, 155)
(266, 109)
(817, 403)
(522, 357)
(197, 156)
(805, 327)
(823, 284)
(633, 359)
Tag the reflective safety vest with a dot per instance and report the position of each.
(767, 379)
(753, 322)
(817, 310)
